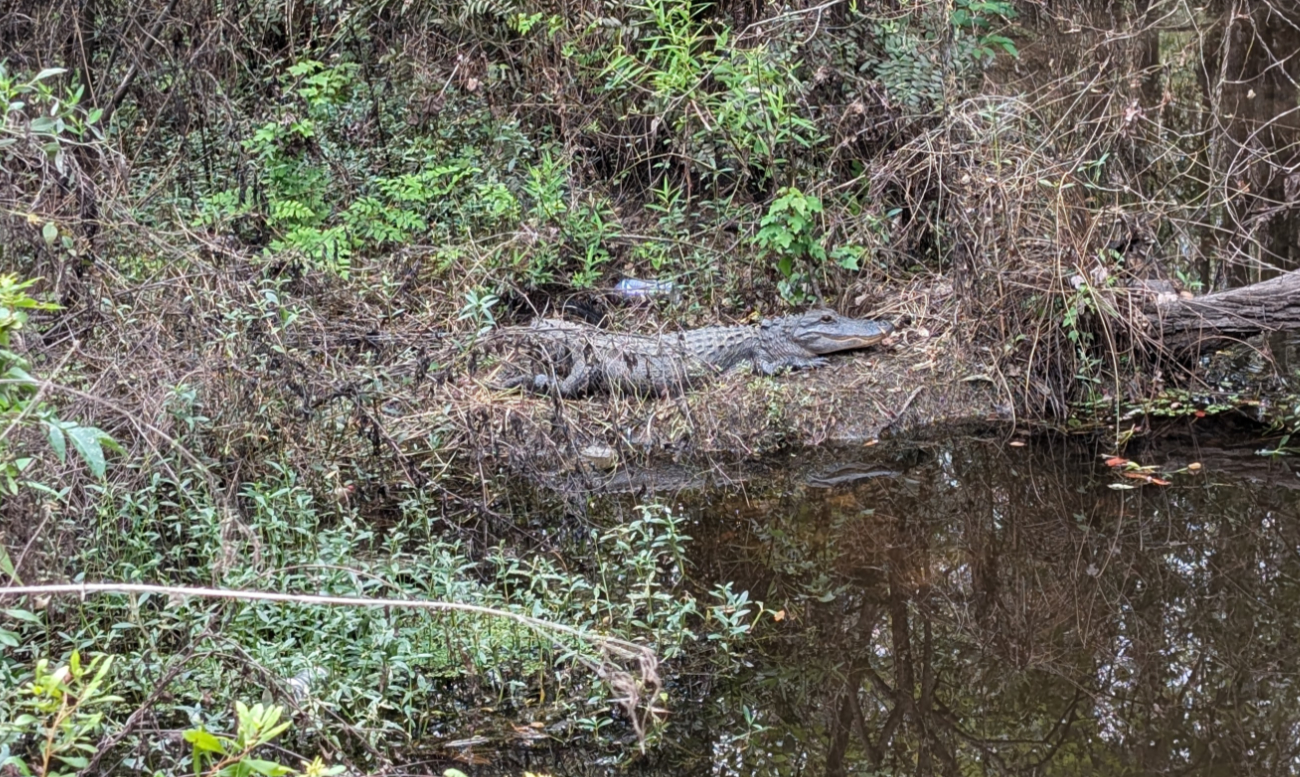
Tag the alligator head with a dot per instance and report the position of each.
(825, 331)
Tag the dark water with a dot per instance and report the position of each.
(989, 605)
(972, 607)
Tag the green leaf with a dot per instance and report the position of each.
(203, 740)
(847, 258)
(269, 768)
(110, 443)
(7, 565)
(270, 734)
(44, 489)
(8, 638)
(58, 441)
(15, 762)
(21, 615)
(49, 72)
(50, 232)
(18, 373)
(110, 699)
(86, 439)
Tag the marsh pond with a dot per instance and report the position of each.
(991, 605)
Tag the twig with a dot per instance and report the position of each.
(619, 647)
(131, 72)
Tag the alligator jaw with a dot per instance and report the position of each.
(830, 343)
(824, 332)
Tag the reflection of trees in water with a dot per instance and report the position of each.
(1008, 612)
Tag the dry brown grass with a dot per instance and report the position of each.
(992, 260)
(918, 378)
(374, 383)
(325, 380)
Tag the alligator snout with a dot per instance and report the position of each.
(843, 334)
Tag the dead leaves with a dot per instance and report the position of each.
(1131, 470)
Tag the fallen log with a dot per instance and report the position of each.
(1268, 306)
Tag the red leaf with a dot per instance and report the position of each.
(1145, 478)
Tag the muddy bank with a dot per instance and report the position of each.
(911, 387)
(367, 399)
(928, 380)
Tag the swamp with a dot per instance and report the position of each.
(672, 387)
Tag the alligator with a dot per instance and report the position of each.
(578, 359)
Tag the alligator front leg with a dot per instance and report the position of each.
(574, 384)
(773, 366)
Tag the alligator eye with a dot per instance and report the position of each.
(828, 318)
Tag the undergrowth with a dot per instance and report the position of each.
(370, 680)
(247, 251)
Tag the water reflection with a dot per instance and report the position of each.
(973, 607)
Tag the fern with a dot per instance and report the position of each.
(494, 9)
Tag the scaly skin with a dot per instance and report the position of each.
(583, 359)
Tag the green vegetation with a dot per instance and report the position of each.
(257, 726)
(253, 257)
(57, 709)
(21, 405)
(391, 677)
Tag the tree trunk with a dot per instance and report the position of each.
(1269, 306)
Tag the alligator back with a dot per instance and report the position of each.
(573, 359)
